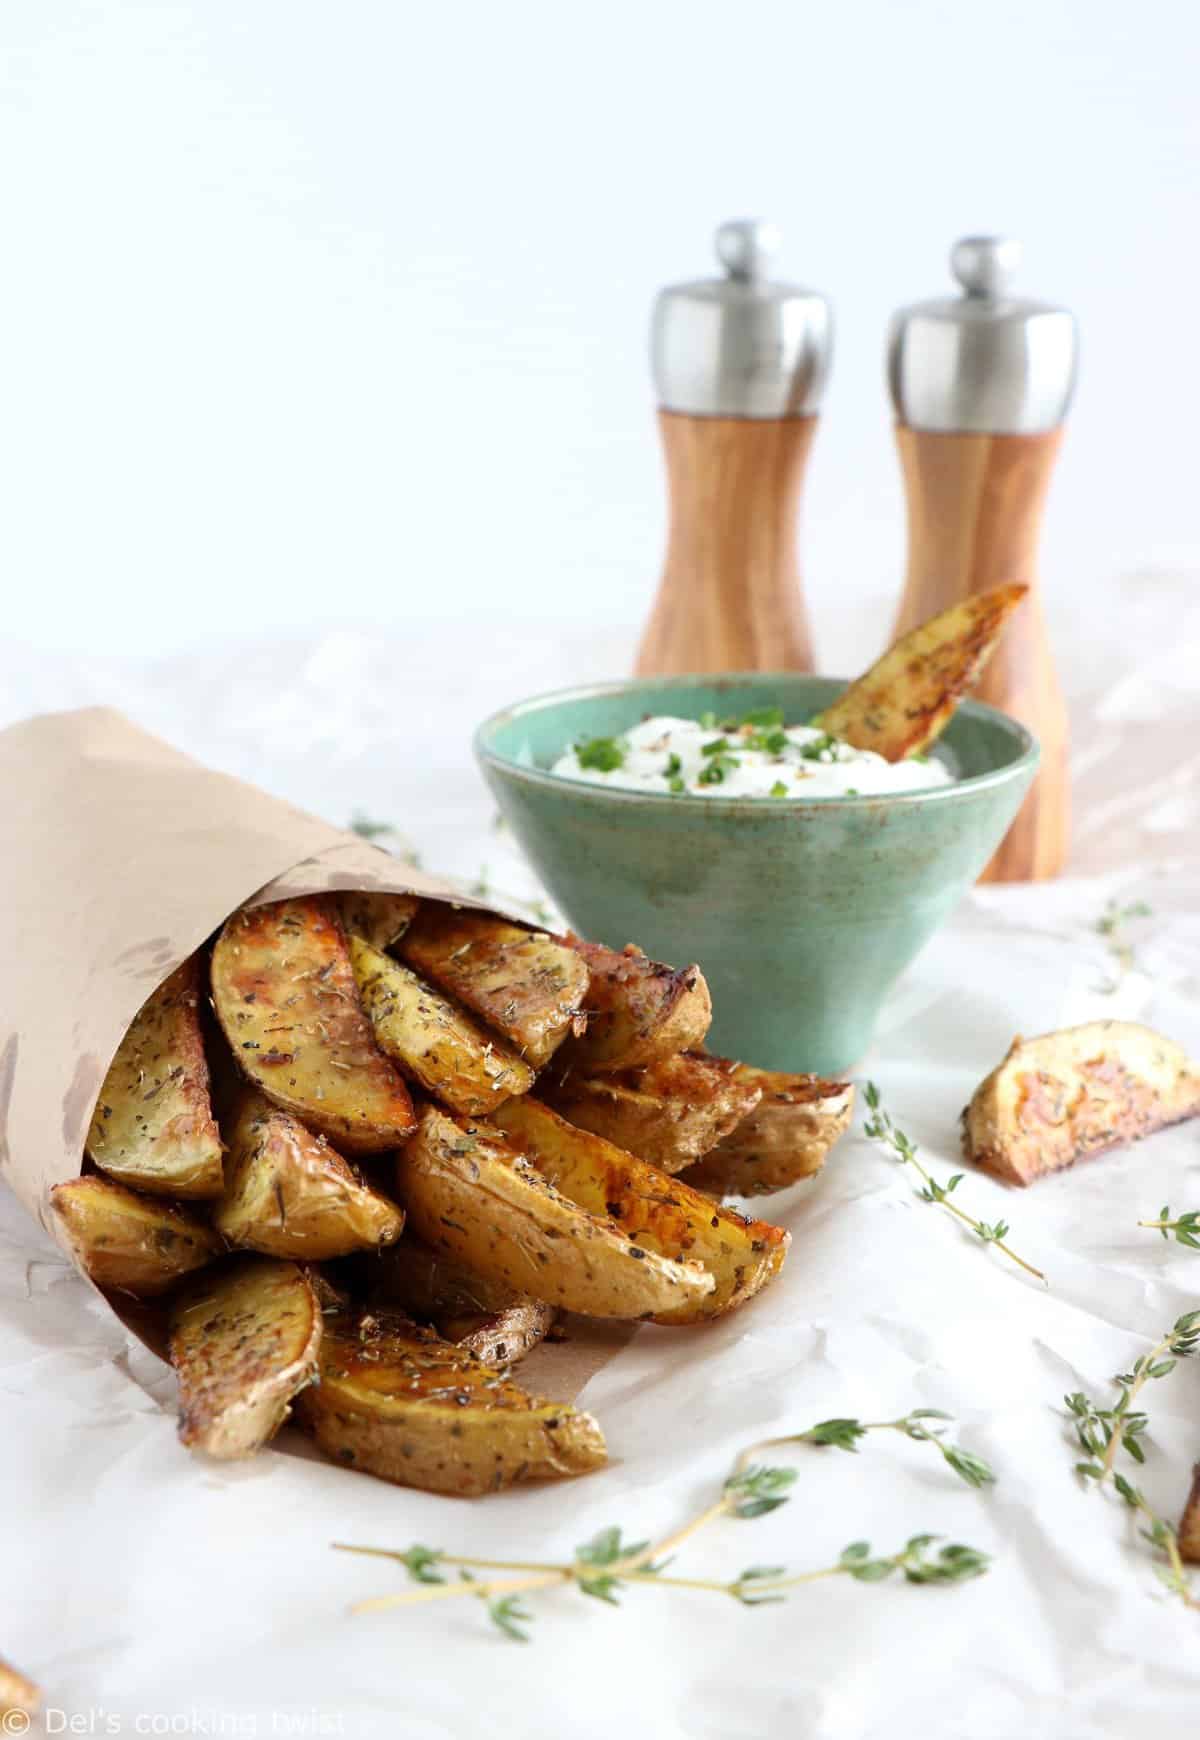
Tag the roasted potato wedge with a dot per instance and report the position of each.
(291, 1195)
(396, 1401)
(488, 1318)
(475, 1197)
(244, 1341)
(658, 1213)
(525, 984)
(18, 1697)
(906, 700)
(784, 1138)
(130, 1243)
(1189, 1522)
(668, 1113)
(500, 1337)
(379, 919)
(638, 1011)
(431, 1040)
(1080, 1091)
(153, 1126)
(285, 995)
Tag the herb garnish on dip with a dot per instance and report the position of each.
(755, 756)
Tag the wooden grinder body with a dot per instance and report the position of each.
(974, 507)
(729, 598)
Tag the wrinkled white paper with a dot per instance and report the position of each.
(148, 1592)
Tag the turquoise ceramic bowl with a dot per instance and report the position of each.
(801, 914)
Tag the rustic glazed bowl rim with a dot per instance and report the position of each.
(1026, 753)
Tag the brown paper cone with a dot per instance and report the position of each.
(121, 856)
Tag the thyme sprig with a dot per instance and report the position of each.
(1186, 1226)
(607, 1565)
(845, 1434)
(880, 1128)
(1103, 1432)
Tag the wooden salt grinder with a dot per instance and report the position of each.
(739, 364)
(981, 384)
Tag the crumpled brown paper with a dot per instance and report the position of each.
(121, 856)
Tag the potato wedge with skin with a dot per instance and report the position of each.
(130, 1243)
(244, 1342)
(285, 996)
(472, 1195)
(638, 1010)
(379, 919)
(662, 1214)
(291, 1195)
(153, 1126)
(1067, 1095)
(18, 1696)
(784, 1138)
(396, 1401)
(906, 700)
(1189, 1522)
(486, 1317)
(434, 1043)
(668, 1113)
(525, 984)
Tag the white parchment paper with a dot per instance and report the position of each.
(143, 1587)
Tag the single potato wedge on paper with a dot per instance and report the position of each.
(130, 1243)
(668, 1113)
(906, 700)
(285, 995)
(638, 1010)
(1066, 1095)
(379, 919)
(153, 1125)
(486, 1317)
(784, 1137)
(473, 1195)
(526, 985)
(1189, 1522)
(244, 1342)
(18, 1697)
(291, 1195)
(396, 1401)
(432, 1041)
(664, 1216)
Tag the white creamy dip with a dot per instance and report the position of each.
(760, 757)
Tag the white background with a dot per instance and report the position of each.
(336, 312)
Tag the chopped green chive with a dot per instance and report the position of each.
(605, 754)
(716, 747)
(779, 789)
(765, 717)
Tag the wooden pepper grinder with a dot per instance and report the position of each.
(981, 384)
(739, 364)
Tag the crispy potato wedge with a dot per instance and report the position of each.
(130, 1243)
(525, 984)
(396, 1401)
(500, 1337)
(431, 1040)
(244, 1341)
(285, 996)
(291, 1195)
(379, 919)
(784, 1138)
(638, 1010)
(906, 700)
(153, 1126)
(18, 1696)
(485, 1316)
(1189, 1522)
(661, 1214)
(668, 1113)
(475, 1197)
(1080, 1091)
